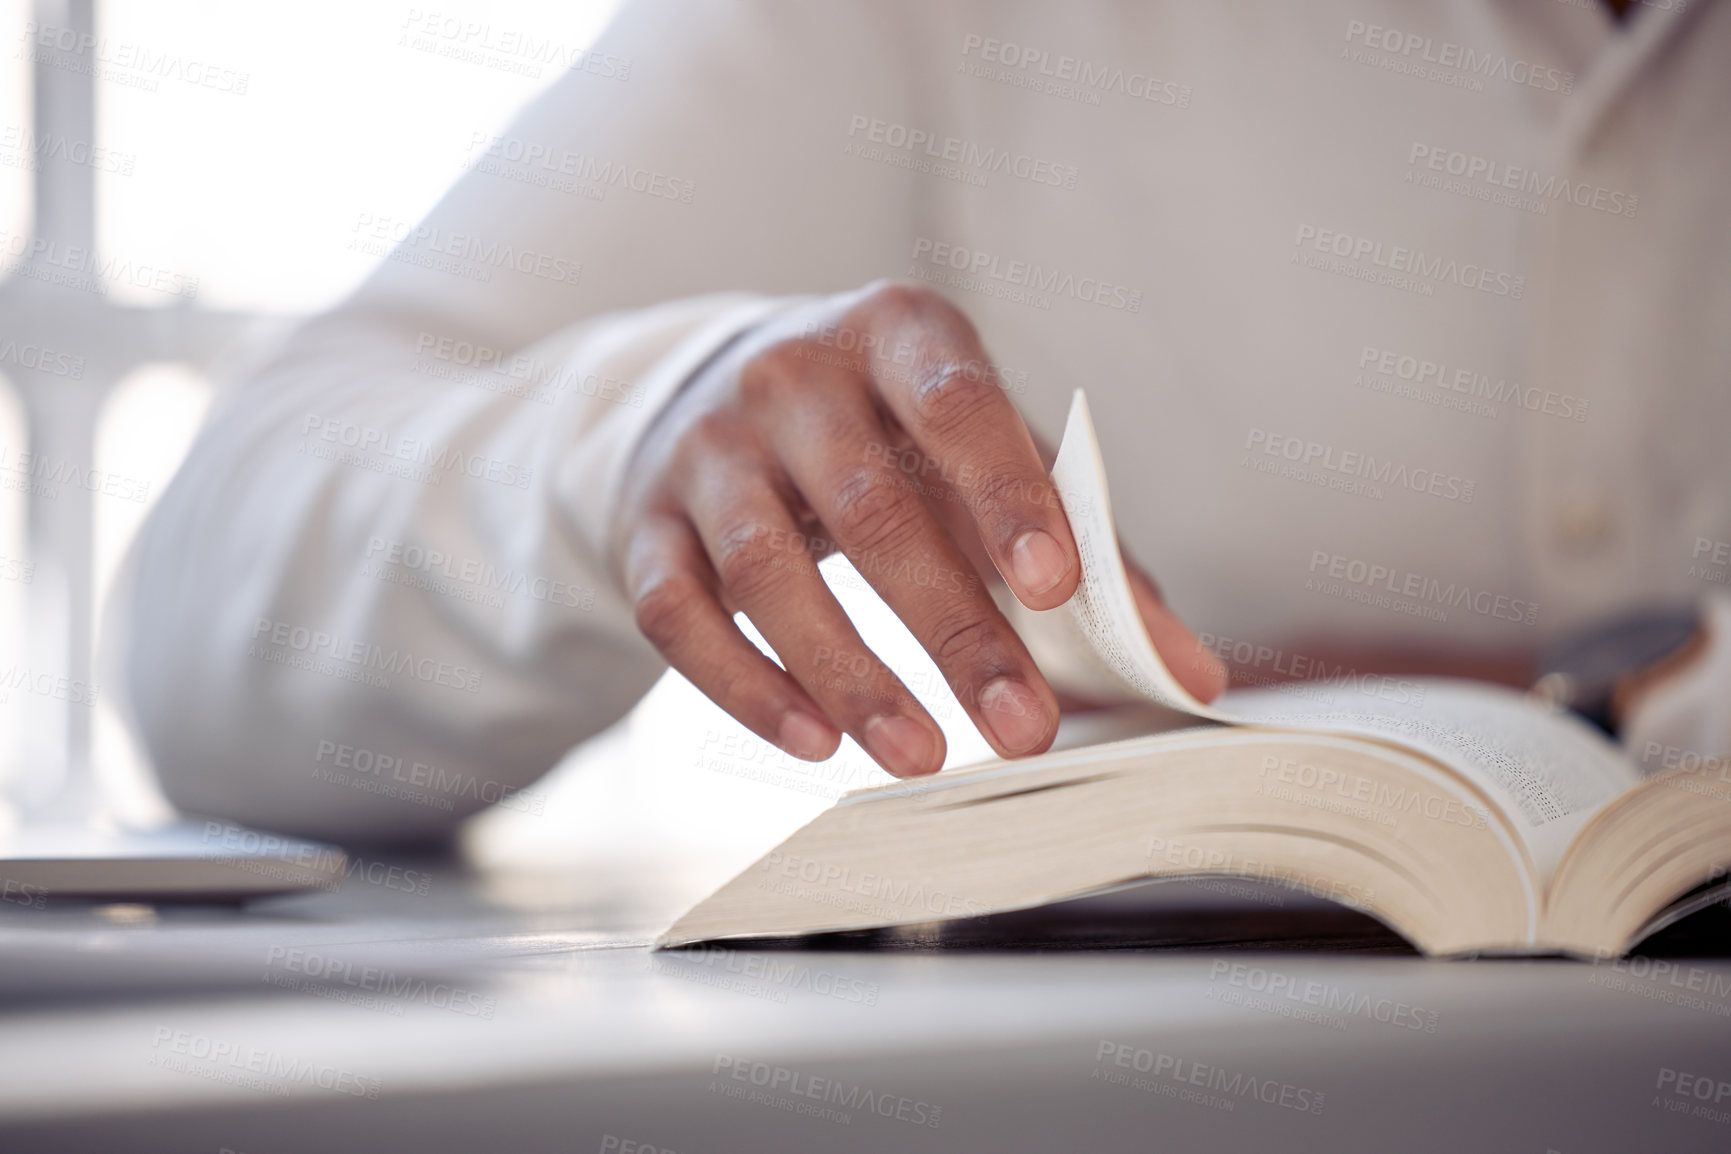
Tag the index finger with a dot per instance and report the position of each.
(940, 389)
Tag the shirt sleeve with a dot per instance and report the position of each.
(378, 596)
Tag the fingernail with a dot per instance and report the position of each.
(1038, 561)
(901, 745)
(1014, 713)
(805, 736)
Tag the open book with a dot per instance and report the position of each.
(1468, 818)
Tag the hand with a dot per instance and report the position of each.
(869, 423)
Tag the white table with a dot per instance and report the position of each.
(501, 1015)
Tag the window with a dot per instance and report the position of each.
(199, 166)
(204, 168)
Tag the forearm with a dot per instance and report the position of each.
(372, 580)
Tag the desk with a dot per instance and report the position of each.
(512, 1014)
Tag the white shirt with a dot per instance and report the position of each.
(1399, 321)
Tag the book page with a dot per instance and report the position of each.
(1103, 610)
(1548, 774)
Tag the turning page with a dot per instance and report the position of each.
(1103, 612)
(1547, 774)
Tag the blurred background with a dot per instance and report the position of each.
(179, 182)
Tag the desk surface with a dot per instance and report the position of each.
(431, 1010)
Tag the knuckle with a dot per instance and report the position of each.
(712, 434)
(908, 300)
(665, 606)
(870, 509)
(770, 372)
(734, 680)
(964, 641)
(900, 297)
(746, 563)
(949, 403)
(998, 489)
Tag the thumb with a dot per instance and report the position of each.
(1196, 669)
